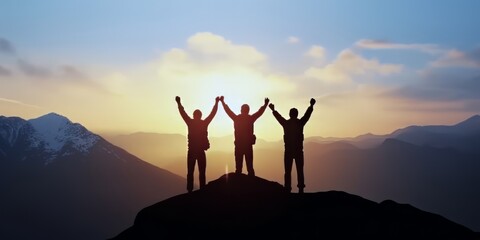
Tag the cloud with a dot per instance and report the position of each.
(67, 73)
(451, 81)
(6, 46)
(72, 72)
(5, 71)
(209, 47)
(316, 52)
(442, 87)
(349, 64)
(61, 77)
(73, 77)
(32, 70)
(381, 44)
(17, 102)
(293, 40)
(208, 53)
(456, 58)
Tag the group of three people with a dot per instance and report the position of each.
(245, 138)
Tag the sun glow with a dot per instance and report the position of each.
(238, 85)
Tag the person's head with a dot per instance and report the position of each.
(245, 109)
(197, 114)
(293, 113)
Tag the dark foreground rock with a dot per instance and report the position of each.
(237, 206)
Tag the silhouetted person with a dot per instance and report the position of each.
(244, 135)
(293, 138)
(197, 141)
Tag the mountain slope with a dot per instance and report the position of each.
(60, 181)
(236, 206)
(464, 136)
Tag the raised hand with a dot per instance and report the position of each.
(267, 101)
(221, 98)
(312, 102)
(217, 99)
(272, 106)
(177, 99)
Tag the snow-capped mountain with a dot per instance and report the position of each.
(51, 135)
(60, 181)
(58, 135)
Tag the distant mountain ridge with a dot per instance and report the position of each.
(60, 181)
(469, 126)
(459, 136)
(464, 136)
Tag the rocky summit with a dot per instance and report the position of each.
(237, 206)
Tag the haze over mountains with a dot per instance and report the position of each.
(434, 168)
(60, 181)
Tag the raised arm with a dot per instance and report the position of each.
(213, 112)
(277, 115)
(261, 110)
(184, 115)
(308, 113)
(229, 112)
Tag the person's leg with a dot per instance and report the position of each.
(238, 159)
(190, 169)
(288, 161)
(249, 160)
(202, 167)
(299, 160)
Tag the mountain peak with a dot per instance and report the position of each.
(52, 116)
(241, 184)
(55, 131)
(49, 127)
(470, 125)
(475, 119)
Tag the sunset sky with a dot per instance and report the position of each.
(373, 66)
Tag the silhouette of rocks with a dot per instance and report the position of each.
(237, 206)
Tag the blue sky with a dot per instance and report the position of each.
(418, 53)
(138, 28)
